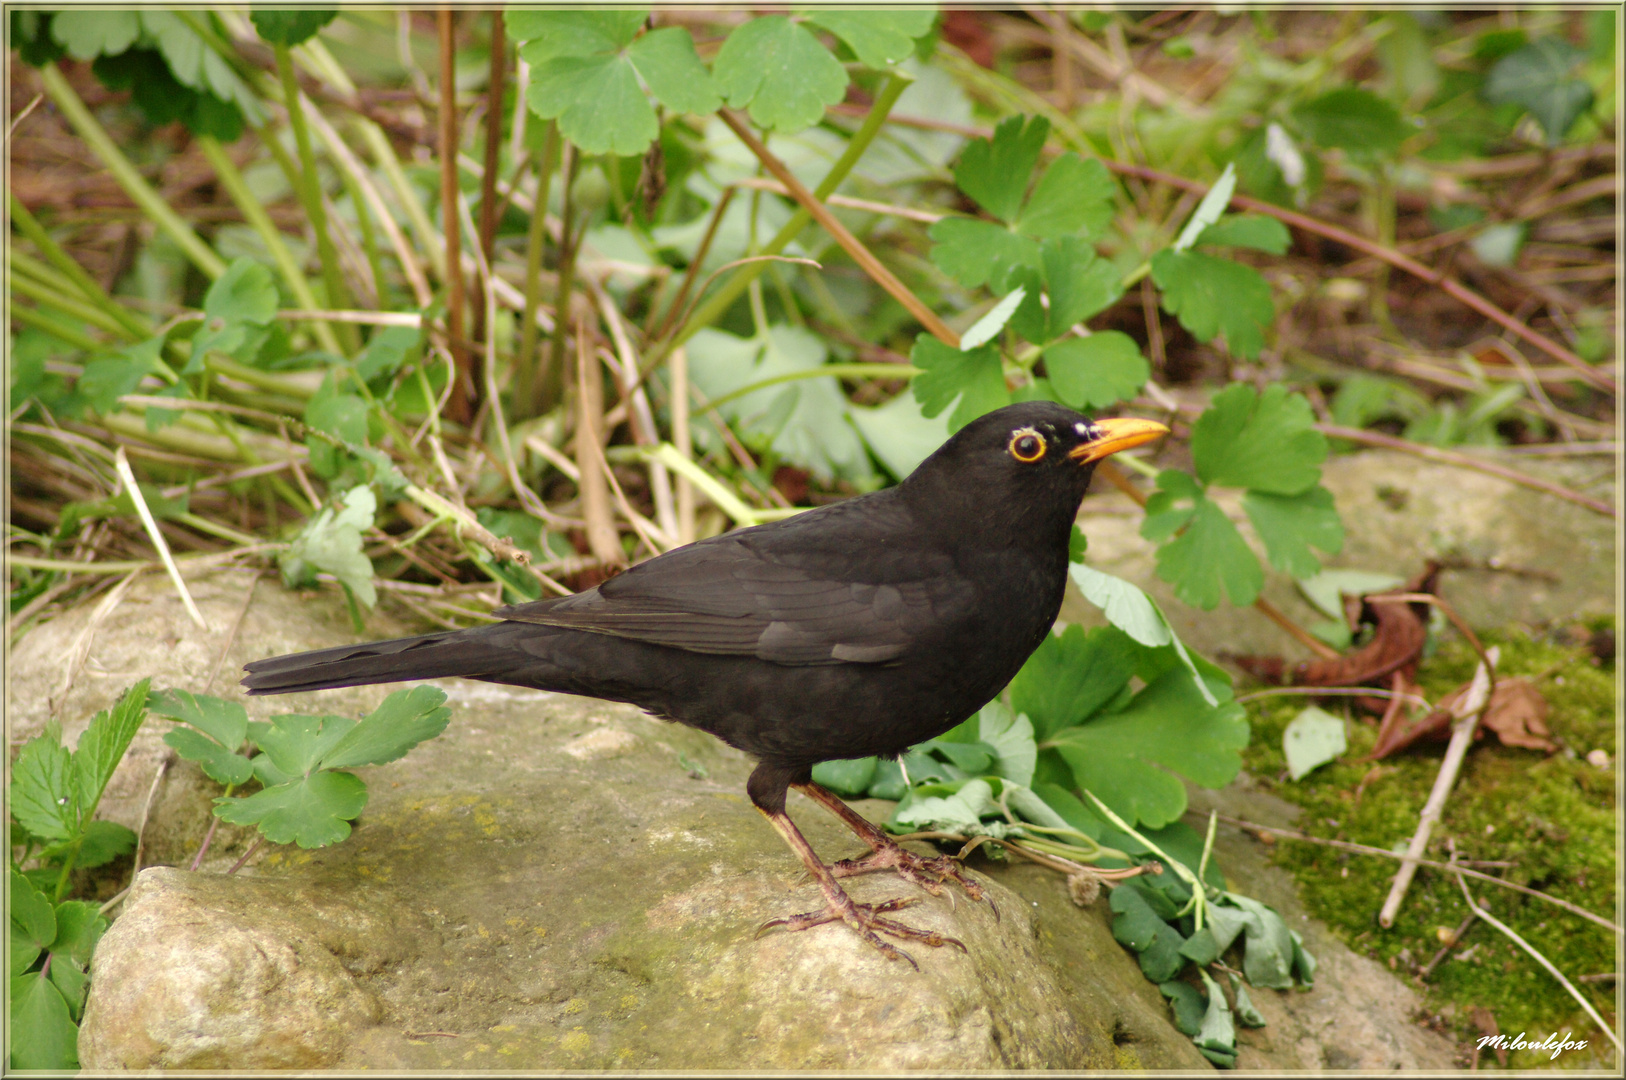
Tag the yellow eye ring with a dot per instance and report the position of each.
(1027, 446)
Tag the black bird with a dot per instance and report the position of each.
(856, 629)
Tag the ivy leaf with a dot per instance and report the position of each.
(878, 38)
(779, 70)
(976, 378)
(217, 728)
(1073, 674)
(1249, 231)
(1290, 524)
(1096, 371)
(331, 541)
(1354, 120)
(312, 811)
(1212, 296)
(1265, 442)
(1541, 77)
(1208, 555)
(402, 721)
(44, 797)
(1073, 195)
(975, 252)
(104, 742)
(292, 26)
(1127, 758)
(43, 1035)
(995, 172)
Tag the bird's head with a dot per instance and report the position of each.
(1024, 464)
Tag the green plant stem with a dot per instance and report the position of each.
(369, 239)
(151, 203)
(254, 213)
(310, 193)
(526, 383)
(32, 317)
(65, 263)
(47, 296)
(709, 312)
(552, 376)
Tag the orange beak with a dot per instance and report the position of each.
(1116, 435)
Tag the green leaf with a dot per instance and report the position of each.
(779, 70)
(674, 74)
(958, 812)
(108, 378)
(1209, 210)
(1212, 296)
(1268, 960)
(596, 100)
(1265, 442)
(975, 378)
(44, 797)
(1354, 120)
(297, 744)
(104, 841)
(43, 1035)
(1097, 371)
(1073, 195)
(1125, 605)
(290, 26)
(1225, 923)
(344, 416)
(221, 727)
(1161, 960)
(104, 742)
(332, 542)
(1200, 948)
(803, 421)
(241, 300)
(1208, 554)
(1188, 1006)
(577, 32)
(975, 252)
(899, 433)
(218, 762)
(850, 778)
(33, 923)
(1246, 1014)
(878, 38)
(1236, 230)
(79, 926)
(1126, 757)
(988, 327)
(87, 34)
(1011, 736)
(1289, 524)
(995, 172)
(401, 721)
(1313, 738)
(388, 350)
(1304, 964)
(312, 811)
(1071, 675)
(1136, 925)
(1326, 589)
(1541, 77)
(1080, 284)
(1217, 1036)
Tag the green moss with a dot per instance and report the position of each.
(1552, 816)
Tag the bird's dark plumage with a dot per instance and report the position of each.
(851, 630)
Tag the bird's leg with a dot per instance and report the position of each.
(867, 919)
(888, 854)
(767, 787)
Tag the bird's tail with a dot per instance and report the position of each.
(468, 653)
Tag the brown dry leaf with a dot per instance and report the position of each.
(1485, 1021)
(1517, 713)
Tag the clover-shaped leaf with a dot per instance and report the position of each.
(1213, 296)
(1095, 372)
(974, 378)
(878, 38)
(215, 730)
(1266, 442)
(1290, 524)
(776, 68)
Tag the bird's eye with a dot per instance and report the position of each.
(1027, 446)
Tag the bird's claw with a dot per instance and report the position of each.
(867, 920)
(927, 872)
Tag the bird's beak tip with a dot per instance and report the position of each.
(1115, 435)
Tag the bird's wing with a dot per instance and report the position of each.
(733, 597)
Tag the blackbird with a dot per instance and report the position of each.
(856, 629)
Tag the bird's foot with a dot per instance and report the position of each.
(928, 872)
(868, 921)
